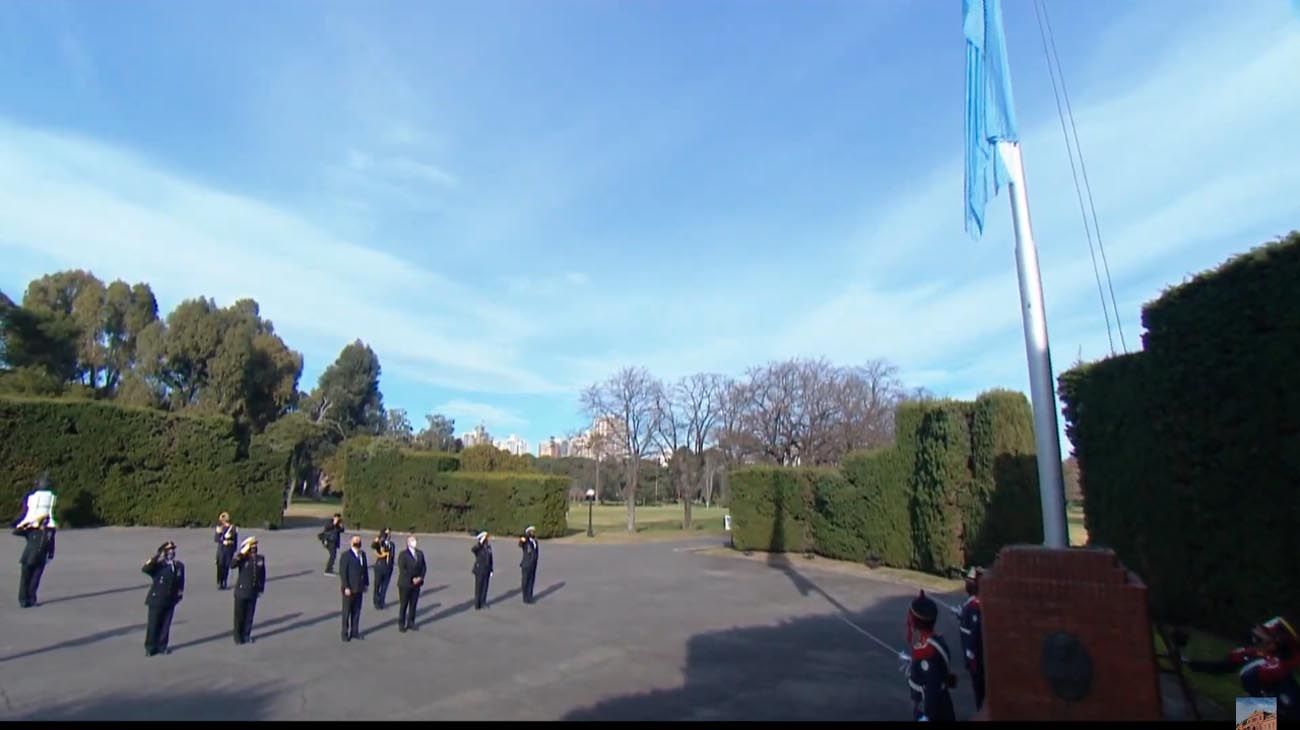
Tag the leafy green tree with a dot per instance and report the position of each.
(438, 433)
(347, 397)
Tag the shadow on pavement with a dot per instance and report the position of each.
(229, 634)
(548, 591)
(336, 615)
(287, 576)
(82, 641)
(804, 669)
(251, 703)
(395, 609)
(142, 587)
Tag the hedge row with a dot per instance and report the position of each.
(1189, 450)
(113, 465)
(426, 492)
(960, 483)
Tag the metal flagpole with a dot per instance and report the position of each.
(1051, 483)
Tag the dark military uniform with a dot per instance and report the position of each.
(226, 538)
(250, 583)
(331, 537)
(929, 675)
(1262, 675)
(384, 549)
(972, 644)
(36, 553)
(482, 572)
(528, 564)
(165, 592)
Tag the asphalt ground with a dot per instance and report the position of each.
(619, 632)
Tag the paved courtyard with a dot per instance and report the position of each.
(620, 632)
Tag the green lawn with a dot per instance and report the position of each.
(1222, 689)
(607, 517)
(1074, 520)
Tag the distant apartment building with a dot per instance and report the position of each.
(1258, 720)
(477, 437)
(551, 448)
(513, 444)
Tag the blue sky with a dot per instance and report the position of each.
(1247, 705)
(509, 200)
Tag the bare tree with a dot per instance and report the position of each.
(699, 401)
(628, 397)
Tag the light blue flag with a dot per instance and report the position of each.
(990, 111)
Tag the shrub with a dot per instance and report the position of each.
(114, 465)
(880, 480)
(424, 491)
(1003, 506)
(941, 480)
(1189, 450)
(771, 509)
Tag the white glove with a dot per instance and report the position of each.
(922, 718)
(956, 610)
(904, 662)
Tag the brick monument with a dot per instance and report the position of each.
(1067, 636)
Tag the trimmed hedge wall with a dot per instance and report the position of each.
(775, 513)
(426, 492)
(941, 480)
(114, 465)
(1003, 505)
(960, 483)
(1189, 450)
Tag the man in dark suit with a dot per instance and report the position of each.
(250, 583)
(411, 570)
(528, 543)
(165, 592)
(354, 578)
(38, 551)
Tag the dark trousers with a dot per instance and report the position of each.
(244, 609)
(159, 629)
(223, 567)
(408, 599)
(481, 589)
(529, 580)
(28, 582)
(352, 616)
(383, 575)
(329, 565)
(977, 682)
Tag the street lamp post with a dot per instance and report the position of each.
(591, 501)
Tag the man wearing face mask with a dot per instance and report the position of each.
(250, 582)
(165, 592)
(411, 570)
(354, 579)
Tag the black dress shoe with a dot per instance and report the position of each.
(413, 627)
(401, 629)
(346, 639)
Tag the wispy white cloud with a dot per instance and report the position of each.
(84, 204)
(469, 414)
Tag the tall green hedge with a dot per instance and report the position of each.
(960, 483)
(113, 465)
(426, 492)
(881, 480)
(1189, 450)
(941, 481)
(1003, 504)
(771, 508)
